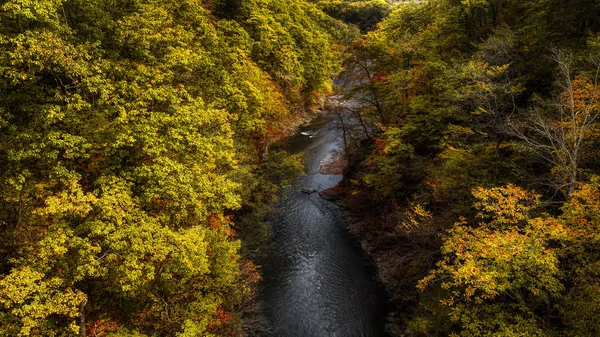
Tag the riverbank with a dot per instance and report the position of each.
(378, 237)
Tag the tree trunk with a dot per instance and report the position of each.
(264, 156)
(82, 319)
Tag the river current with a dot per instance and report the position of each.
(317, 283)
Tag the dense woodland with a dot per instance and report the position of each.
(476, 140)
(134, 141)
(136, 172)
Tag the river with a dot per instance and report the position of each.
(317, 282)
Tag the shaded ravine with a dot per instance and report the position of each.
(317, 282)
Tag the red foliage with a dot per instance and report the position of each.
(101, 327)
(221, 317)
(381, 144)
(215, 221)
(379, 76)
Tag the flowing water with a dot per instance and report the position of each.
(317, 283)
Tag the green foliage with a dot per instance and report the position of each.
(390, 164)
(452, 92)
(261, 185)
(582, 215)
(292, 44)
(456, 171)
(364, 14)
(124, 130)
(126, 333)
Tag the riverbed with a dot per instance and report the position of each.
(317, 280)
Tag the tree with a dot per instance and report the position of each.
(579, 309)
(498, 273)
(364, 14)
(559, 133)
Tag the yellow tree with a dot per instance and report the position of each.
(499, 271)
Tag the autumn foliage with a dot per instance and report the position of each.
(127, 144)
(474, 189)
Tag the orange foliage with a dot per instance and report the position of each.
(215, 221)
(101, 327)
(583, 96)
(222, 223)
(221, 317)
(379, 76)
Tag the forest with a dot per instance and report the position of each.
(137, 166)
(134, 141)
(474, 179)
